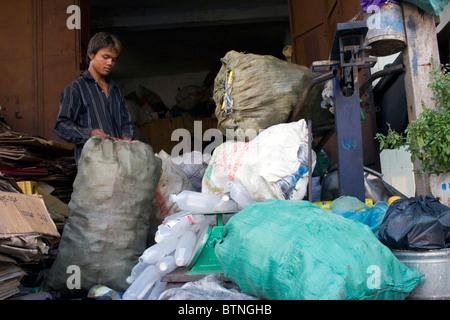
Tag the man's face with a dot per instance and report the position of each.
(104, 60)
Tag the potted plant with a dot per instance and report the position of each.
(428, 137)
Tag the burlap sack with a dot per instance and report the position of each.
(109, 215)
(254, 92)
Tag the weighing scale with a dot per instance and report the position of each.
(346, 59)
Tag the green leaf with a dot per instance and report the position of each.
(381, 144)
(420, 142)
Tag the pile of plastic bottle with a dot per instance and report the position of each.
(176, 239)
(175, 242)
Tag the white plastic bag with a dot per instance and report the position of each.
(173, 180)
(260, 163)
(193, 164)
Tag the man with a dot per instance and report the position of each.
(93, 105)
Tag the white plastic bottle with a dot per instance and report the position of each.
(287, 184)
(158, 251)
(226, 205)
(166, 264)
(136, 271)
(157, 289)
(141, 287)
(206, 222)
(239, 194)
(198, 202)
(185, 248)
(173, 229)
(103, 291)
(178, 214)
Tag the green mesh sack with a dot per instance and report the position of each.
(295, 250)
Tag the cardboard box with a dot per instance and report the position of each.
(28, 187)
(22, 214)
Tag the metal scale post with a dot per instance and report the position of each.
(346, 59)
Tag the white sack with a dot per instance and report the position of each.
(260, 163)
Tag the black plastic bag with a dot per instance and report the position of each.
(421, 223)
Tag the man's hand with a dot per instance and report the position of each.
(99, 132)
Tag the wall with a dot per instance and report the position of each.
(397, 170)
(39, 58)
(17, 48)
(313, 25)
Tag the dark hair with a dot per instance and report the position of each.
(103, 40)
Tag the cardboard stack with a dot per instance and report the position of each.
(26, 232)
(10, 276)
(30, 158)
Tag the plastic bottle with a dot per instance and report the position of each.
(104, 292)
(185, 248)
(287, 184)
(239, 194)
(176, 215)
(226, 205)
(173, 229)
(208, 220)
(166, 265)
(198, 202)
(136, 271)
(302, 156)
(157, 289)
(141, 287)
(158, 251)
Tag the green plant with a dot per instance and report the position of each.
(428, 137)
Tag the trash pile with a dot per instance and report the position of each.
(29, 158)
(27, 234)
(296, 250)
(137, 217)
(211, 287)
(176, 240)
(421, 223)
(146, 105)
(36, 178)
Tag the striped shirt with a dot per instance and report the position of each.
(83, 107)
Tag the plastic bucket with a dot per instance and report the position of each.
(435, 265)
(386, 34)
